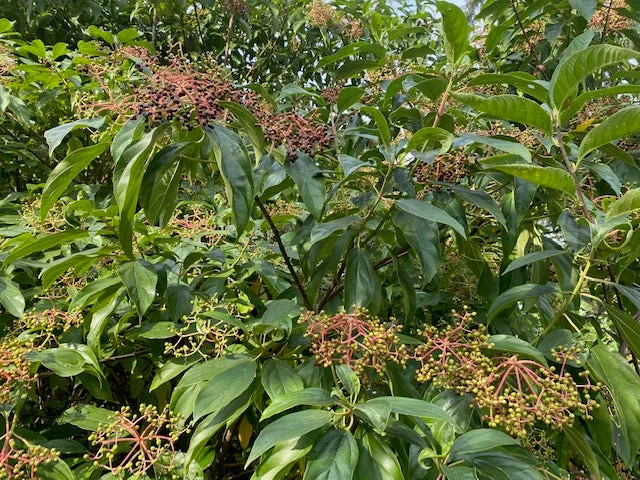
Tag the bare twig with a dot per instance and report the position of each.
(285, 255)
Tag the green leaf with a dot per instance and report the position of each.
(279, 461)
(423, 137)
(316, 397)
(64, 173)
(623, 385)
(349, 380)
(482, 200)
(517, 294)
(250, 125)
(509, 343)
(628, 327)
(235, 167)
(506, 463)
(455, 30)
(279, 379)
(424, 238)
(286, 428)
(11, 298)
(583, 98)
(333, 457)
(140, 282)
(381, 123)
(171, 369)
(578, 66)
(619, 125)
(532, 258)
(513, 147)
(580, 445)
(161, 182)
(361, 286)
(509, 107)
(348, 96)
(54, 136)
(86, 417)
(231, 377)
(377, 460)
(353, 49)
(64, 362)
(430, 212)
(43, 244)
(277, 319)
(480, 440)
(100, 313)
(627, 203)
(321, 231)
(524, 82)
(411, 406)
(308, 178)
(586, 8)
(550, 177)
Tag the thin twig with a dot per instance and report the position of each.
(195, 11)
(534, 53)
(285, 255)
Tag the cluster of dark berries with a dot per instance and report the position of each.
(297, 133)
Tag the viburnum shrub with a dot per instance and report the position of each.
(315, 239)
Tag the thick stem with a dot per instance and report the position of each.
(285, 255)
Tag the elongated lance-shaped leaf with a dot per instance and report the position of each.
(64, 173)
(455, 30)
(510, 107)
(619, 125)
(235, 168)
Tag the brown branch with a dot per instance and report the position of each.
(534, 54)
(284, 253)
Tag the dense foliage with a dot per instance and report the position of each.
(302, 239)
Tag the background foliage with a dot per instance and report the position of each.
(316, 240)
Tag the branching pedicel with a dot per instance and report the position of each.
(131, 445)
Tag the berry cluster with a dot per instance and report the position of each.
(131, 445)
(448, 167)
(15, 370)
(297, 133)
(611, 17)
(236, 7)
(515, 394)
(356, 339)
(45, 325)
(323, 15)
(202, 334)
(196, 222)
(20, 459)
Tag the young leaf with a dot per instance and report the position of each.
(480, 440)
(288, 427)
(333, 457)
(455, 30)
(54, 136)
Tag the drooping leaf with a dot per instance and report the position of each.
(45, 243)
(279, 379)
(516, 294)
(430, 212)
(11, 298)
(333, 457)
(480, 440)
(424, 238)
(235, 167)
(550, 177)
(316, 397)
(628, 327)
(532, 257)
(361, 286)
(308, 178)
(580, 445)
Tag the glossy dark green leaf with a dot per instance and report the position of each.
(424, 238)
(533, 257)
(480, 440)
(349, 380)
(509, 343)
(623, 385)
(86, 417)
(580, 445)
(550, 177)
(376, 460)
(348, 96)
(628, 327)
(333, 457)
(361, 285)
(250, 125)
(45, 243)
(11, 298)
(232, 376)
(455, 29)
(140, 281)
(517, 294)
(316, 397)
(286, 428)
(279, 379)
(482, 200)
